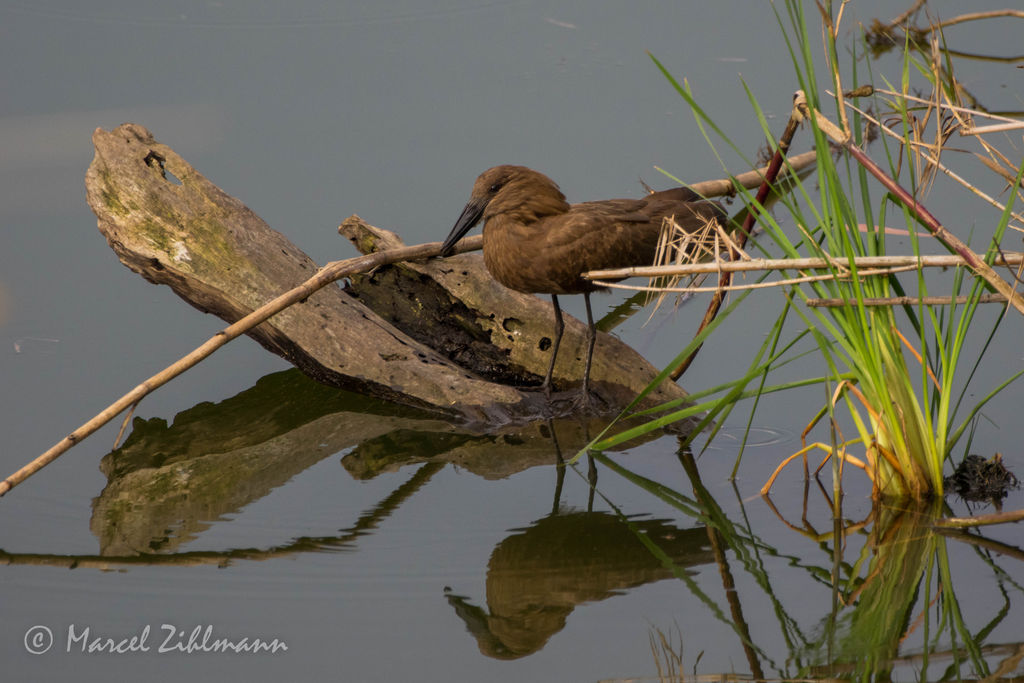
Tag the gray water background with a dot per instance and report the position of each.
(308, 112)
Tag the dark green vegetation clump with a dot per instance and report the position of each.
(978, 479)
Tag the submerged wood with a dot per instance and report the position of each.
(171, 225)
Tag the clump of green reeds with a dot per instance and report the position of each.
(900, 371)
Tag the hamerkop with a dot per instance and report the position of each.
(536, 242)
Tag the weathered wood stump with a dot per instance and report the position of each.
(438, 334)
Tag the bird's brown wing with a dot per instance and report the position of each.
(611, 234)
(612, 210)
(594, 235)
(676, 194)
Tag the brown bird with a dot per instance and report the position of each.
(536, 242)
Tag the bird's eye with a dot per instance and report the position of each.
(495, 187)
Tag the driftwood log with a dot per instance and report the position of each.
(439, 334)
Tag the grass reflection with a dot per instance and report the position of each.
(894, 612)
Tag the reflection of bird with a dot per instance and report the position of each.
(536, 242)
(538, 575)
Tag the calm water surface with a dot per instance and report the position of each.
(378, 545)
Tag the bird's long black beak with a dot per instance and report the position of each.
(470, 216)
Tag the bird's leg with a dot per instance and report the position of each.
(592, 480)
(591, 338)
(559, 328)
(585, 401)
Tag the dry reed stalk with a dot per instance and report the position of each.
(725, 280)
(925, 217)
(909, 301)
(981, 520)
(991, 164)
(329, 273)
(325, 276)
(809, 263)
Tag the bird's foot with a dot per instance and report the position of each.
(587, 402)
(552, 398)
(582, 401)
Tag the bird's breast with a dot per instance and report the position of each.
(524, 258)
